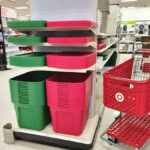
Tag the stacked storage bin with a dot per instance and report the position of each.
(68, 94)
(28, 93)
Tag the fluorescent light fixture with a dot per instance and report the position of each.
(128, 0)
(22, 7)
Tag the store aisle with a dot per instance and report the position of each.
(7, 114)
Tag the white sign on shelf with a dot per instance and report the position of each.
(61, 10)
(9, 13)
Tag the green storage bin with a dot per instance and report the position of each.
(28, 60)
(26, 40)
(26, 24)
(104, 56)
(114, 46)
(112, 61)
(31, 117)
(30, 88)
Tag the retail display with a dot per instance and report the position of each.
(27, 40)
(28, 90)
(3, 58)
(28, 60)
(142, 27)
(26, 24)
(71, 60)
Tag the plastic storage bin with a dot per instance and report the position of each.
(71, 60)
(25, 40)
(69, 121)
(69, 90)
(70, 40)
(101, 45)
(28, 60)
(31, 117)
(124, 94)
(30, 88)
(80, 23)
(26, 24)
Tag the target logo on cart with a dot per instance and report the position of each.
(119, 97)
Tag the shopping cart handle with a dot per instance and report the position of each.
(129, 80)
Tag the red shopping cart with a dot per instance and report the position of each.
(126, 89)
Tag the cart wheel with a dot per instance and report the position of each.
(112, 139)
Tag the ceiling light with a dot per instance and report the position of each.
(21, 7)
(128, 0)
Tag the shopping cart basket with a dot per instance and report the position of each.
(127, 86)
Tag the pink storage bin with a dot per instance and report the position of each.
(78, 23)
(69, 90)
(101, 46)
(70, 40)
(71, 60)
(68, 121)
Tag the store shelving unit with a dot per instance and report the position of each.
(101, 66)
(55, 29)
(106, 35)
(48, 136)
(93, 44)
(106, 48)
(92, 68)
(3, 61)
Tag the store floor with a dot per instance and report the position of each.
(7, 115)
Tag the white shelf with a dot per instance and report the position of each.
(105, 34)
(127, 33)
(93, 44)
(54, 29)
(85, 138)
(92, 68)
(142, 42)
(142, 35)
(101, 65)
(106, 48)
(126, 42)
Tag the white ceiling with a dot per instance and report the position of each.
(24, 12)
(18, 3)
(139, 3)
